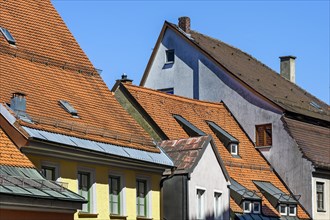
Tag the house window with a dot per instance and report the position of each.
(264, 135)
(141, 197)
(320, 196)
(292, 210)
(256, 207)
(217, 204)
(169, 56)
(114, 197)
(247, 206)
(167, 90)
(200, 203)
(84, 189)
(48, 172)
(234, 149)
(283, 209)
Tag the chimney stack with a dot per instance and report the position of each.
(124, 79)
(184, 24)
(18, 103)
(288, 68)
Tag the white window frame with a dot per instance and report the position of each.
(92, 187)
(259, 205)
(295, 210)
(166, 56)
(148, 195)
(54, 165)
(286, 209)
(249, 205)
(236, 149)
(217, 209)
(323, 196)
(122, 192)
(201, 214)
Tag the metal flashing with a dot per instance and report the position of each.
(190, 129)
(110, 149)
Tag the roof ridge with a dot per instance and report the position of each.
(177, 97)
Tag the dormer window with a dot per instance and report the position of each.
(189, 128)
(247, 206)
(251, 207)
(69, 108)
(169, 56)
(8, 36)
(283, 209)
(292, 210)
(227, 139)
(256, 207)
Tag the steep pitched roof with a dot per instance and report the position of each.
(316, 145)
(250, 166)
(10, 155)
(254, 74)
(48, 65)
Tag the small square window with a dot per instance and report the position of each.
(256, 207)
(292, 210)
(169, 56)
(264, 135)
(234, 149)
(283, 209)
(247, 206)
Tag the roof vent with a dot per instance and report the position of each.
(124, 79)
(68, 107)
(8, 36)
(18, 103)
(184, 24)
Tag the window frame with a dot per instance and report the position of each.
(217, 201)
(167, 61)
(249, 206)
(8, 36)
(92, 191)
(119, 189)
(231, 149)
(51, 165)
(295, 210)
(320, 209)
(200, 209)
(147, 202)
(286, 209)
(264, 134)
(259, 205)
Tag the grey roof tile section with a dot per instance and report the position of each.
(242, 191)
(250, 216)
(275, 192)
(28, 182)
(158, 158)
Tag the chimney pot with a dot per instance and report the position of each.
(288, 68)
(124, 79)
(184, 24)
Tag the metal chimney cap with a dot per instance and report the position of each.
(287, 57)
(124, 76)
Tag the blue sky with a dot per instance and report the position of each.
(118, 36)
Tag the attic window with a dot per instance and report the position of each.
(169, 56)
(8, 36)
(68, 107)
(228, 140)
(315, 105)
(264, 135)
(189, 128)
(167, 90)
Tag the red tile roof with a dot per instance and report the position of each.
(251, 166)
(10, 155)
(48, 65)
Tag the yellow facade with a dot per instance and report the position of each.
(67, 172)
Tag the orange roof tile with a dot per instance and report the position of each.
(45, 66)
(251, 166)
(10, 154)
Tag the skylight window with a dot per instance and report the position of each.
(8, 36)
(68, 107)
(315, 105)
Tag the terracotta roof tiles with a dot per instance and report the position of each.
(10, 155)
(250, 166)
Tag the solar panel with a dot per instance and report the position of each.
(68, 107)
(7, 35)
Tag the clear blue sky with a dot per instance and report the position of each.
(118, 36)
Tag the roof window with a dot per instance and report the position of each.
(169, 56)
(189, 128)
(167, 90)
(8, 36)
(68, 107)
(228, 140)
(315, 105)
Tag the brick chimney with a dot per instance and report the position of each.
(288, 68)
(184, 24)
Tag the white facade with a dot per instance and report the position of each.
(209, 178)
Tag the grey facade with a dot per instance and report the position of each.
(196, 74)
